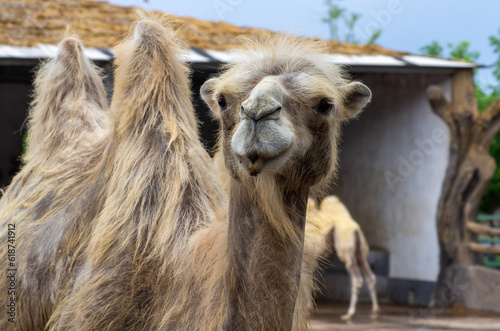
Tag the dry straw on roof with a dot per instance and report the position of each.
(100, 24)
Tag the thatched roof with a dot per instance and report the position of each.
(100, 25)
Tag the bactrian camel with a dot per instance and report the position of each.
(54, 199)
(331, 228)
(160, 247)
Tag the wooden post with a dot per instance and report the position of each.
(469, 172)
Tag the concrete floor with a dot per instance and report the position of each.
(396, 317)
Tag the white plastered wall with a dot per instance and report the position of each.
(392, 164)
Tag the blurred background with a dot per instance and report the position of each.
(446, 28)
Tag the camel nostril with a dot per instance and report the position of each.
(253, 158)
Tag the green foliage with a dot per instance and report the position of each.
(25, 146)
(491, 197)
(338, 17)
(374, 36)
(490, 201)
(350, 22)
(485, 99)
(495, 43)
(461, 52)
(433, 49)
(335, 13)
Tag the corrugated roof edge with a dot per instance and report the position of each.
(44, 51)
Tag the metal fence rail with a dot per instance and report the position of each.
(487, 229)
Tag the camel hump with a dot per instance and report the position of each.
(70, 49)
(146, 29)
(154, 36)
(70, 101)
(69, 79)
(151, 83)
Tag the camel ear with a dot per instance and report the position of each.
(357, 95)
(207, 94)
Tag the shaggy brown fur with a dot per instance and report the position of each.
(315, 247)
(166, 251)
(56, 195)
(150, 261)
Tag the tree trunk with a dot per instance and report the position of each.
(469, 172)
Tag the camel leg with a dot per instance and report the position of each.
(371, 280)
(356, 282)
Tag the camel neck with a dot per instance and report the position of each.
(264, 268)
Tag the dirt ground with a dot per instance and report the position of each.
(398, 317)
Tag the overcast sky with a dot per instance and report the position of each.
(407, 25)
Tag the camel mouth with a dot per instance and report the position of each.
(254, 158)
(259, 146)
(255, 162)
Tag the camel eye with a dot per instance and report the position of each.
(222, 102)
(324, 107)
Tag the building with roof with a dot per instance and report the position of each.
(393, 159)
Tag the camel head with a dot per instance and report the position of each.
(280, 104)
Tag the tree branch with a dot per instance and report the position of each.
(489, 122)
(440, 105)
(493, 111)
(463, 94)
